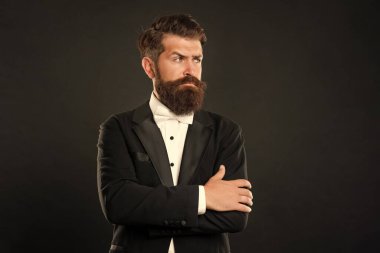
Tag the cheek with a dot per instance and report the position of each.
(169, 72)
(199, 73)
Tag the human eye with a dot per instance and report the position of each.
(197, 60)
(177, 58)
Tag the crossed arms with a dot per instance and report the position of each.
(126, 201)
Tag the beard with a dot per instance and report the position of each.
(179, 98)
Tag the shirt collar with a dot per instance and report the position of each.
(159, 110)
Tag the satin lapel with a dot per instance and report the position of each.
(197, 139)
(151, 138)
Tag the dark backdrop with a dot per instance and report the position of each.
(300, 77)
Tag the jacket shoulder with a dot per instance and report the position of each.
(221, 122)
(125, 118)
(120, 117)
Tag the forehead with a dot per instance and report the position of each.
(186, 46)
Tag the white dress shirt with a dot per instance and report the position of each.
(174, 129)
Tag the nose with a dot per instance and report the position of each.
(189, 69)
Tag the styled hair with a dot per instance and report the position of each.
(183, 25)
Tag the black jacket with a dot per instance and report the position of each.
(136, 187)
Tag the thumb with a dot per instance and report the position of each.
(220, 174)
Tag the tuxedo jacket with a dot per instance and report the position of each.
(136, 188)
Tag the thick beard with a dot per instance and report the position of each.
(181, 99)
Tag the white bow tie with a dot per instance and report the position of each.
(162, 117)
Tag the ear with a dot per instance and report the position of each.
(148, 67)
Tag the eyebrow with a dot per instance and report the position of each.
(181, 55)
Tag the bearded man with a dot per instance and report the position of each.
(171, 176)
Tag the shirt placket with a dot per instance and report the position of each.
(172, 147)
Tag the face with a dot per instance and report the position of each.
(177, 73)
(181, 57)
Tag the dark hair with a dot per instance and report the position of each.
(149, 42)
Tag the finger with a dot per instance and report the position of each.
(245, 200)
(245, 192)
(241, 183)
(220, 174)
(223, 169)
(243, 208)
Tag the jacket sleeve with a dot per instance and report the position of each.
(124, 201)
(232, 155)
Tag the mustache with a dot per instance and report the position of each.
(188, 79)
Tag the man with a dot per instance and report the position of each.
(172, 177)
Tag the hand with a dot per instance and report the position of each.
(222, 195)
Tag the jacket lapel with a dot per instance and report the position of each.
(197, 138)
(151, 138)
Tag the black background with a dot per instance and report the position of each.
(300, 77)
